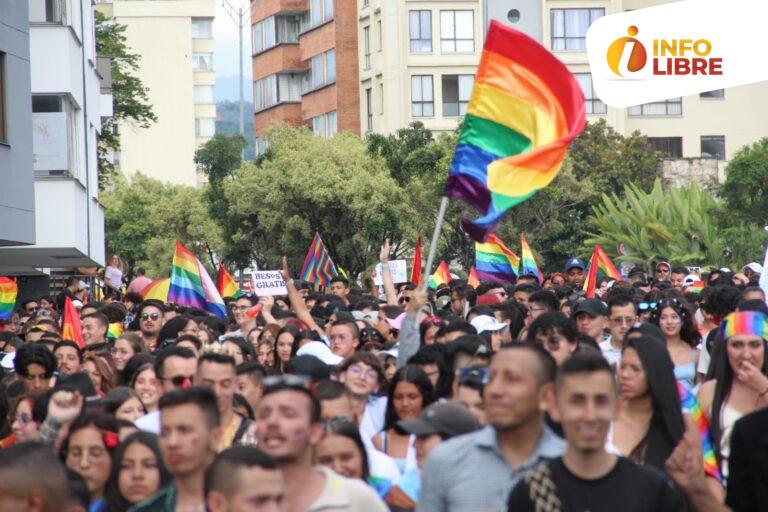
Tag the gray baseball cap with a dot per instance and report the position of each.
(447, 419)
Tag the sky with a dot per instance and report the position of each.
(225, 48)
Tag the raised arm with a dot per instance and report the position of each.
(297, 303)
(386, 274)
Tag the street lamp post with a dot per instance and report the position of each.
(237, 15)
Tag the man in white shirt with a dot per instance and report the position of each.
(622, 314)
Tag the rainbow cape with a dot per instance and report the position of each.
(525, 108)
(528, 264)
(495, 262)
(71, 327)
(8, 291)
(691, 405)
(599, 264)
(441, 276)
(190, 284)
(226, 285)
(157, 290)
(318, 266)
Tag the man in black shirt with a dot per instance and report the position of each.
(587, 478)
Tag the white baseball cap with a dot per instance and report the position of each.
(754, 267)
(321, 351)
(487, 323)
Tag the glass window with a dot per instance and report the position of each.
(569, 27)
(289, 87)
(593, 103)
(288, 29)
(420, 29)
(330, 66)
(670, 107)
(3, 121)
(258, 41)
(268, 29)
(258, 91)
(671, 147)
(315, 11)
(318, 125)
(378, 26)
(367, 47)
(54, 135)
(260, 145)
(204, 94)
(422, 100)
(716, 94)
(381, 98)
(327, 10)
(202, 28)
(331, 123)
(205, 126)
(317, 71)
(713, 146)
(45, 11)
(202, 62)
(457, 31)
(457, 90)
(270, 90)
(369, 109)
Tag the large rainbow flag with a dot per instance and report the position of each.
(191, 285)
(318, 266)
(601, 264)
(528, 264)
(226, 285)
(526, 107)
(157, 290)
(495, 262)
(8, 291)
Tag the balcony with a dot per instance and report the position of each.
(262, 9)
(289, 113)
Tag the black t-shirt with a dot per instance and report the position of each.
(628, 487)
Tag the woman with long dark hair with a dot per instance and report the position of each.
(409, 392)
(649, 423)
(286, 345)
(342, 450)
(137, 472)
(675, 319)
(740, 385)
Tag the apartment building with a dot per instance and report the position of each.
(175, 42)
(66, 109)
(305, 65)
(17, 193)
(417, 62)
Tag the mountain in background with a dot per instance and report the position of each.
(227, 88)
(228, 121)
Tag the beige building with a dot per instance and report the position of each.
(424, 69)
(175, 42)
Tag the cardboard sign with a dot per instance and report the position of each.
(398, 270)
(268, 282)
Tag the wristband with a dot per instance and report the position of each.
(289, 281)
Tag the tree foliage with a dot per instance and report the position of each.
(307, 184)
(145, 216)
(130, 102)
(746, 184)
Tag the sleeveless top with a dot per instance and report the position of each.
(728, 417)
(686, 373)
(403, 464)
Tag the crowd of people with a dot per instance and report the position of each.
(525, 396)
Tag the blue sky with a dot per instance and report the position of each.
(225, 42)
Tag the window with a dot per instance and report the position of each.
(318, 125)
(204, 94)
(260, 145)
(366, 2)
(420, 29)
(258, 38)
(258, 92)
(369, 108)
(46, 11)
(270, 90)
(716, 94)
(320, 11)
(457, 31)
(593, 104)
(378, 26)
(54, 135)
(202, 62)
(268, 29)
(3, 122)
(323, 68)
(713, 146)
(670, 107)
(288, 29)
(202, 28)
(422, 101)
(275, 30)
(671, 147)
(381, 98)
(569, 28)
(205, 126)
(367, 47)
(456, 92)
(331, 123)
(324, 125)
(278, 88)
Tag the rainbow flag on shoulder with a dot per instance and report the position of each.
(495, 262)
(9, 289)
(191, 285)
(525, 108)
(691, 405)
(318, 266)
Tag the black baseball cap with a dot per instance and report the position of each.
(447, 419)
(593, 307)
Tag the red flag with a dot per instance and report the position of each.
(71, 328)
(473, 281)
(416, 270)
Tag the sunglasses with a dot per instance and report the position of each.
(180, 381)
(287, 380)
(403, 299)
(472, 373)
(153, 316)
(647, 306)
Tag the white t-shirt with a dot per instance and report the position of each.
(610, 353)
(114, 275)
(149, 422)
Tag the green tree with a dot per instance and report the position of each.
(130, 103)
(309, 184)
(746, 184)
(410, 152)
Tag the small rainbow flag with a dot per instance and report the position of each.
(697, 287)
(157, 290)
(9, 289)
(318, 266)
(115, 331)
(526, 107)
(71, 328)
(191, 285)
(691, 405)
(226, 285)
(495, 262)
(473, 280)
(599, 264)
(416, 269)
(441, 276)
(528, 262)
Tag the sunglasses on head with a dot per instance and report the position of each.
(285, 381)
(147, 316)
(647, 306)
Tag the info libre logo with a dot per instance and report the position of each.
(671, 57)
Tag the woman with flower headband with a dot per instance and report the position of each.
(740, 385)
(675, 319)
(89, 450)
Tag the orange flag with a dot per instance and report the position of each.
(473, 281)
(71, 328)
